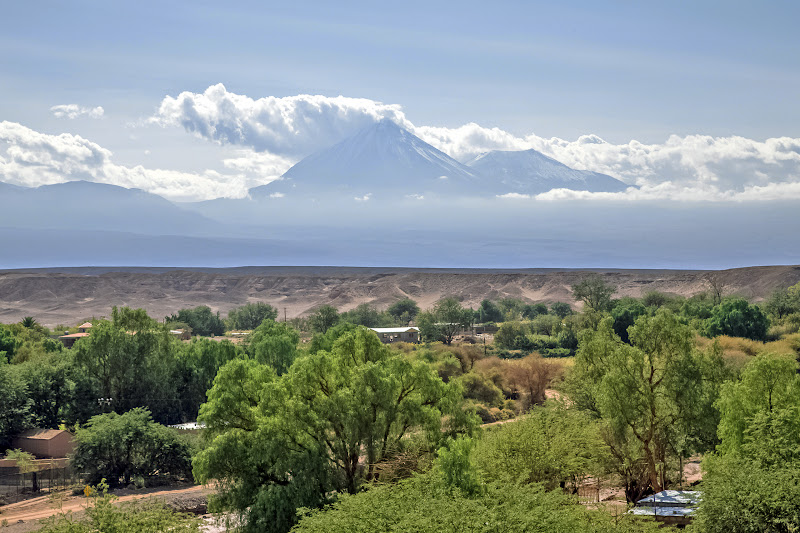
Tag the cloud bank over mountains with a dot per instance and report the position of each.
(32, 159)
(271, 133)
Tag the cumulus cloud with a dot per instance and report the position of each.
(32, 158)
(289, 126)
(364, 198)
(73, 111)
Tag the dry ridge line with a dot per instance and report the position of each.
(69, 295)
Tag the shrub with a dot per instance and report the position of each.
(122, 447)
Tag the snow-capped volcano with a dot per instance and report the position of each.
(381, 158)
(532, 172)
(386, 160)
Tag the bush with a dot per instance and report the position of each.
(737, 318)
(122, 447)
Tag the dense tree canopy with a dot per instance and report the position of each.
(656, 393)
(282, 442)
(120, 448)
(737, 318)
(324, 318)
(404, 310)
(201, 320)
(251, 315)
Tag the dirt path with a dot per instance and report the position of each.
(35, 509)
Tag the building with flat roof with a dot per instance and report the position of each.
(390, 335)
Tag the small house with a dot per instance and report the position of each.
(69, 340)
(85, 327)
(45, 443)
(390, 335)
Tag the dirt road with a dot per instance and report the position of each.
(25, 515)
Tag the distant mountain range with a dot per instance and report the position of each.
(386, 160)
(78, 206)
(532, 172)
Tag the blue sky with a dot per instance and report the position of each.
(622, 71)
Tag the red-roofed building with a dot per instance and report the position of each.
(69, 340)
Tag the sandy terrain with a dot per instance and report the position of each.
(68, 296)
(25, 515)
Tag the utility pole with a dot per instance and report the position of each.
(284, 314)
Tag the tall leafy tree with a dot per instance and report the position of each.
(752, 483)
(404, 310)
(594, 292)
(129, 369)
(274, 344)
(251, 315)
(201, 320)
(737, 318)
(281, 442)
(15, 405)
(324, 318)
(488, 312)
(119, 448)
(651, 393)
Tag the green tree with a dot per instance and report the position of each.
(511, 335)
(768, 382)
(251, 315)
(652, 394)
(119, 448)
(625, 313)
(427, 504)
(561, 309)
(131, 369)
(283, 442)
(737, 318)
(534, 310)
(752, 483)
(404, 310)
(15, 405)
(594, 292)
(363, 315)
(274, 344)
(324, 318)
(451, 318)
(8, 344)
(28, 322)
(555, 446)
(49, 384)
(132, 320)
(201, 319)
(488, 312)
(197, 364)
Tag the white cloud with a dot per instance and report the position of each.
(285, 129)
(262, 165)
(72, 111)
(364, 198)
(731, 166)
(293, 125)
(681, 193)
(277, 195)
(32, 158)
(415, 196)
(514, 196)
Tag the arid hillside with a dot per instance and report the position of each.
(68, 296)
